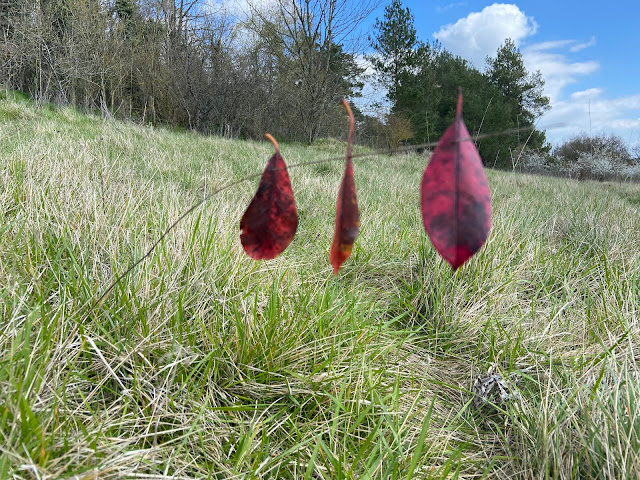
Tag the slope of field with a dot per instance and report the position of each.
(203, 363)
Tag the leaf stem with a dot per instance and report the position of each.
(352, 122)
(269, 137)
(459, 104)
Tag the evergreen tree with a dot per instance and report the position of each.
(427, 97)
(507, 72)
(123, 9)
(126, 11)
(395, 43)
(523, 91)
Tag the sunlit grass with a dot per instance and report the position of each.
(202, 363)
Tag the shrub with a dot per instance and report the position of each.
(538, 162)
(600, 164)
(612, 146)
(398, 130)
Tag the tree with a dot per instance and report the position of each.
(397, 131)
(395, 43)
(9, 10)
(180, 62)
(316, 56)
(126, 12)
(419, 93)
(124, 9)
(523, 89)
(11, 15)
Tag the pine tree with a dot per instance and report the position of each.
(123, 9)
(524, 90)
(395, 44)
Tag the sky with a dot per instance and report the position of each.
(588, 53)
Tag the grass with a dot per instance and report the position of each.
(205, 364)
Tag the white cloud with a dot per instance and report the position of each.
(581, 46)
(626, 124)
(588, 93)
(543, 46)
(592, 111)
(239, 9)
(450, 6)
(557, 70)
(480, 34)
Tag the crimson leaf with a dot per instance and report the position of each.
(455, 197)
(347, 223)
(270, 222)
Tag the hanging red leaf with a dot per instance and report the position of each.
(270, 222)
(347, 223)
(456, 202)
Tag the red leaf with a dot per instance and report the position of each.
(270, 222)
(347, 223)
(456, 202)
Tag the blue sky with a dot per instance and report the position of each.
(588, 53)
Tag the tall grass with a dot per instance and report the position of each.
(205, 364)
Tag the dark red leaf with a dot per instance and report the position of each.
(271, 220)
(456, 202)
(347, 223)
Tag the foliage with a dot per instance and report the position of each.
(347, 222)
(426, 100)
(397, 130)
(418, 75)
(523, 90)
(454, 196)
(598, 164)
(284, 68)
(271, 219)
(124, 9)
(455, 203)
(523, 93)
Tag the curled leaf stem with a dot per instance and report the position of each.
(352, 122)
(269, 137)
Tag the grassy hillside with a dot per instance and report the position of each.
(203, 363)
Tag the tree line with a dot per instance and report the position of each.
(283, 69)
(421, 79)
(184, 63)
